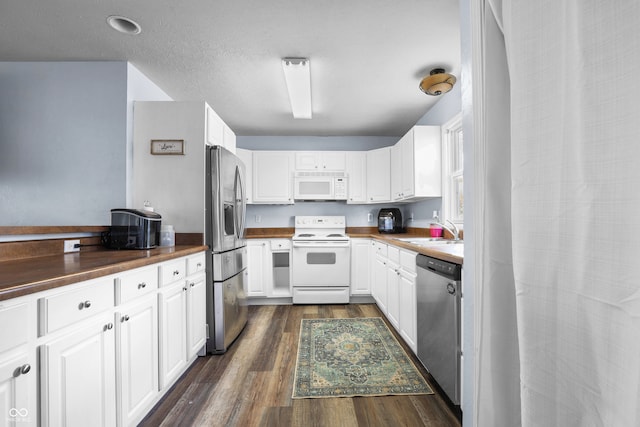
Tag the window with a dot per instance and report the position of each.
(452, 171)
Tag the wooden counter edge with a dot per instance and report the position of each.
(43, 285)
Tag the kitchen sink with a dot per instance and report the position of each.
(428, 241)
(419, 240)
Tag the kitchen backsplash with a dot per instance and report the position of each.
(259, 216)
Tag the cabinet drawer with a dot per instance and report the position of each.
(136, 283)
(393, 254)
(408, 260)
(280, 244)
(15, 321)
(195, 264)
(172, 271)
(66, 308)
(380, 248)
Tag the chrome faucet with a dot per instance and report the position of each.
(454, 232)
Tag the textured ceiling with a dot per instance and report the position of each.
(367, 56)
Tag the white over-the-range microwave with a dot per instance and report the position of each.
(320, 186)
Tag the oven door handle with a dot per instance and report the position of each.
(320, 244)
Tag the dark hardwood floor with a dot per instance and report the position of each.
(251, 384)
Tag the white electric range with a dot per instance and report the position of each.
(320, 270)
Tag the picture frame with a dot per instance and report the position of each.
(167, 147)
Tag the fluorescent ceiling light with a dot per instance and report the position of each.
(298, 77)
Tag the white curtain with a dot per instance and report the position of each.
(574, 190)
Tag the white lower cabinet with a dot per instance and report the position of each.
(137, 363)
(409, 303)
(173, 318)
(108, 348)
(196, 315)
(360, 266)
(18, 366)
(394, 288)
(268, 268)
(18, 385)
(78, 381)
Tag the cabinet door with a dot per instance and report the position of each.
(307, 160)
(356, 169)
(257, 274)
(79, 377)
(333, 161)
(380, 283)
(215, 128)
(229, 138)
(173, 340)
(272, 180)
(408, 304)
(393, 294)
(407, 162)
(197, 315)
(137, 350)
(360, 266)
(396, 172)
(378, 175)
(18, 384)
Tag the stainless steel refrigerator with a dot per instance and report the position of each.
(225, 210)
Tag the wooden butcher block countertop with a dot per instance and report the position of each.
(25, 276)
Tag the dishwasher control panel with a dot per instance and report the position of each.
(445, 268)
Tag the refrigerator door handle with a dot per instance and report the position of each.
(240, 203)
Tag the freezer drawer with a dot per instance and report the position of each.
(226, 312)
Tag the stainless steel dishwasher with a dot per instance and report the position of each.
(439, 293)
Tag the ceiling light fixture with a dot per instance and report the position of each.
(297, 75)
(124, 25)
(437, 82)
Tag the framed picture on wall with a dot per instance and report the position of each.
(167, 146)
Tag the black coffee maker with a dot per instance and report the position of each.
(390, 220)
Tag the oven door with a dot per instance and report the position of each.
(320, 263)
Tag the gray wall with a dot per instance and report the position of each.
(63, 140)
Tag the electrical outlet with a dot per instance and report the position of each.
(369, 217)
(69, 246)
(258, 218)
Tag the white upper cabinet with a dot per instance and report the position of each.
(217, 131)
(357, 174)
(416, 165)
(378, 175)
(320, 161)
(272, 177)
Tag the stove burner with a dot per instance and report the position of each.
(306, 235)
(335, 235)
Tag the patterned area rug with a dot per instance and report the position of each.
(353, 357)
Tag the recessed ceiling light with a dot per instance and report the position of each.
(124, 24)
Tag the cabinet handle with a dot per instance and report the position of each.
(108, 326)
(192, 284)
(142, 285)
(199, 265)
(125, 318)
(85, 304)
(20, 370)
(176, 272)
(184, 289)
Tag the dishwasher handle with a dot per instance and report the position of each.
(451, 288)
